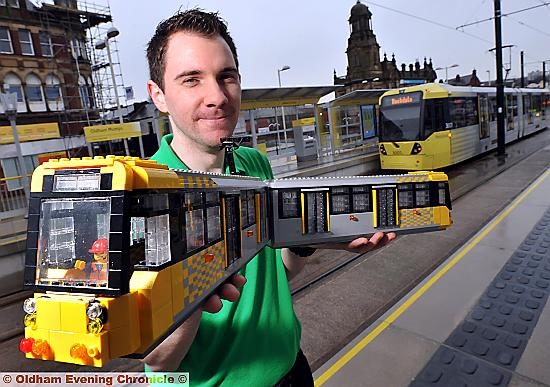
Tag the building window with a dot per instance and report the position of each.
(45, 44)
(5, 41)
(79, 49)
(12, 84)
(2, 2)
(26, 42)
(13, 3)
(34, 89)
(84, 92)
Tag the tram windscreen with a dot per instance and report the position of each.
(73, 247)
(400, 117)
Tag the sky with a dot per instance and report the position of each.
(311, 36)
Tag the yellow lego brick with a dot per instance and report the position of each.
(156, 286)
(120, 310)
(73, 315)
(154, 292)
(62, 342)
(162, 319)
(124, 340)
(48, 313)
(37, 334)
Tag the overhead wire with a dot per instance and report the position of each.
(429, 21)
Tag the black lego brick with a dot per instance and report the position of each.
(486, 347)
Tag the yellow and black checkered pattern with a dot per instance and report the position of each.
(199, 276)
(416, 217)
(195, 181)
(413, 178)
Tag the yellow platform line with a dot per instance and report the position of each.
(325, 376)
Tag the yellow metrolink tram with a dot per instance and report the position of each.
(120, 251)
(432, 126)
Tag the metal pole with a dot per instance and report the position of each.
(522, 74)
(119, 109)
(501, 149)
(20, 160)
(543, 75)
(283, 113)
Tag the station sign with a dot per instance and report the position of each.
(31, 132)
(99, 133)
(303, 122)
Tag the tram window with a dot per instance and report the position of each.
(73, 247)
(251, 204)
(422, 198)
(492, 109)
(316, 212)
(463, 111)
(157, 240)
(442, 193)
(361, 199)
(137, 230)
(340, 200)
(406, 199)
(194, 220)
(248, 213)
(434, 116)
(213, 223)
(263, 215)
(289, 204)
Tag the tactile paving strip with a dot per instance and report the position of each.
(485, 348)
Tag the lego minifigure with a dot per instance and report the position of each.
(97, 269)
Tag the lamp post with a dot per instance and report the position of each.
(9, 103)
(446, 68)
(104, 44)
(284, 68)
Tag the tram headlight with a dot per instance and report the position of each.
(29, 305)
(416, 149)
(95, 311)
(383, 150)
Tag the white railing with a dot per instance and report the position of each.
(13, 202)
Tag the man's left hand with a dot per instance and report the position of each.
(362, 245)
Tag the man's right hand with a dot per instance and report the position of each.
(168, 355)
(228, 291)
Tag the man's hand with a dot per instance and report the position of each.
(362, 245)
(228, 291)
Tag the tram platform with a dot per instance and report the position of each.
(480, 319)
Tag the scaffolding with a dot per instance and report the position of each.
(92, 97)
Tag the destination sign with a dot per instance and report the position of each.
(402, 99)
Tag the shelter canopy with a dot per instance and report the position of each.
(283, 96)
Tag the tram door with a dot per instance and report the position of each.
(484, 130)
(232, 229)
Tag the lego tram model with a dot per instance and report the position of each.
(120, 251)
(431, 126)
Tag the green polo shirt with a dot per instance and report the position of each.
(253, 341)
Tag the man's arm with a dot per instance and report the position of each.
(168, 355)
(294, 263)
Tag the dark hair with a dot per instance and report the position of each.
(208, 24)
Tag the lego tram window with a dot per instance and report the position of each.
(289, 204)
(340, 200)
(263, 215)
(361, 199)
(73, 242)
(194, 220)
(157, 240)
(316, 212)
(213, 217)
(248, 208)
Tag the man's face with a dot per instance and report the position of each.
(202, 89)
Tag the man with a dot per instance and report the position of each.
(255, 338)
